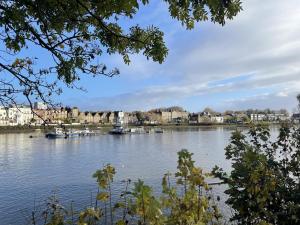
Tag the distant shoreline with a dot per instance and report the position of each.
(30, 129)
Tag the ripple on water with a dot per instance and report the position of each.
(31, 168)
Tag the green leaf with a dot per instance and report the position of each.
(103, 196)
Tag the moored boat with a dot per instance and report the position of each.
(137, 130)
(72, 133)
(62, 133)
(118, 129)
(86, 132)
(57, 133)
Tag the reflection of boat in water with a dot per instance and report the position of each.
(158, 130)
(61, 133)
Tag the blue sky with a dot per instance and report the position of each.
(251, 62)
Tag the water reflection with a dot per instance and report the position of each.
(30, 168)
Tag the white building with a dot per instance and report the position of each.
(40, 105)
(3, 116)
(271, 117)
(257, 117)
(20, 115)
(277, 117)
(217, 119)
(119, 117)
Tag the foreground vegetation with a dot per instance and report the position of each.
(263, 188)
(185, 201)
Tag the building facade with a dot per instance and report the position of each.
(19, 115)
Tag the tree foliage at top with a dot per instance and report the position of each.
(75, 33)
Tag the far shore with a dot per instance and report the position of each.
(106, 128)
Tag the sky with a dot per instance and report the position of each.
(251, 62)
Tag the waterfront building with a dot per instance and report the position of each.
(205, 117)
(217, 119)
(103, 117)
(130, 118)
(96, 118)
(60, 115)
(119, 117)
(19, 115)
(110, 117)
(277, 117)
(40, 105)
(193, 118)
(81, 117)
(270, 117)
(39, 116)
(255, 117)
(168, 115)
(73, 115)
(88, 117)
(3, 116)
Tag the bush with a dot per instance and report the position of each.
(263, 186)
(138, 205)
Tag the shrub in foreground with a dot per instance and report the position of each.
(185, 200)
(263, 186)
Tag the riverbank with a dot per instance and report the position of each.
(29, 129)
(106, 128)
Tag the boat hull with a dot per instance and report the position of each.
(117, 132)
(50, 135)
(69, 134)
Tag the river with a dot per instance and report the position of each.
(31, 169)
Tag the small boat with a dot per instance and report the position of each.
(57, 133)
(86, 132)
(118, 129)
(61, 133)
(72, 133)
(137, 130)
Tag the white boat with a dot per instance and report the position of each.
(137, 130)
(86, 132)
(118, 129)
(61, 133)
(72, 133)
(57, 133)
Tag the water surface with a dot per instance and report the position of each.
(31, 168)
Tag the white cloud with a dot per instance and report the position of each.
(273, 101)
(262, 41)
